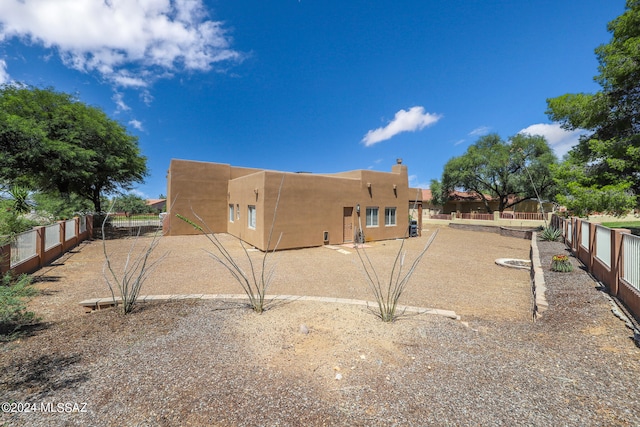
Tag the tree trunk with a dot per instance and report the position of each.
(95, 198)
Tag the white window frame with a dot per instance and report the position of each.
(372, 213)
(388, 216)
(251, 217)
(232, 213)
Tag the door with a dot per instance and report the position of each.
(347, 222)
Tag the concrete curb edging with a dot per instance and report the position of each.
(102, 303)
(538, 286)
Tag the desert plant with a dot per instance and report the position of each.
(561, 263)
(388, 293)
(550, 234)
(254, 283)
(20, 199)
(136, 270)
(14, 293)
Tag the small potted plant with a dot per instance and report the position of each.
(561, 263)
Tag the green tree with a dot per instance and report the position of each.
(609, 155)
(582, 196)
(496, 168)
(53, 205)
(52, 142)
(131, 204)
(438, 196)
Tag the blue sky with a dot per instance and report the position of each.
(310, 85)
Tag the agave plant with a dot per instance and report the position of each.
(550, 234)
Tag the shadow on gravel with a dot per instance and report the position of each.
(12, 332)
(44, 374)
(45, 279)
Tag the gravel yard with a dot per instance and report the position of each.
(217, 363)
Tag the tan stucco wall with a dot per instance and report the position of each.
(200, 186)
(245, 191)
(309, 204)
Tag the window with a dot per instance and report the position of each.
(251, 212)
(389, 216)
(231, 214)
(237, 211)
(372, 217)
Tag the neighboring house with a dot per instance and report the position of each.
(313, 210)
(468, 202)
(157, 204)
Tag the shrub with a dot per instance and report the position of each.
(11, 223)
(14, 294)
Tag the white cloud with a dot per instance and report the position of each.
(559, 139)
(128, 42)
(482, 130)
(404, 121)
(118, 98)
(4, 75)
(416, 183)
(139, 193)
(136, 124)
(458, 142)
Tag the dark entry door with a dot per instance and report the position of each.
(347, 222)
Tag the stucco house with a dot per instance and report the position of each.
(313, 209)
(157, 204)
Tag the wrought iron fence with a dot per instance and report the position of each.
(441, 216)
(479, 216)
(530, 216)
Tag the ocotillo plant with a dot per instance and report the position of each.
(254, 283)
(387, 293)
(135, 271)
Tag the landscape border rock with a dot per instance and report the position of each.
(524, 233)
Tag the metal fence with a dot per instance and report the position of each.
(479, 216)
(23, 247)
(603, 245)
(584, 241)
(134, 221)
(441, 216)
(69, 229)
(631, 259)
(530, 216)
(51, 236)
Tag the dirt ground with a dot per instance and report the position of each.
(217, 363)
(457, 273)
